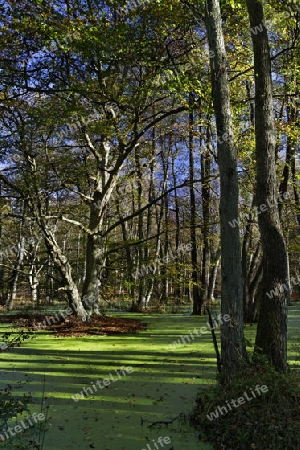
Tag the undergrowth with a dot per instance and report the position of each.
(14, 339)
(14, 411)
(269, 421)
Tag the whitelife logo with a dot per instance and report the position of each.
(241, 401)
(106, 382)
(261, 208)
(8, 432)
(191, 337)
(161, 441)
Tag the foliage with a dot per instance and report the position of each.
(13, 410)
(12, 406)
(14, 339)
(268, 422)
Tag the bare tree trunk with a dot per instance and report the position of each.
(129, 258)
(205, 189)
(271, 335)
(145, 224)
(13, 281)
(252, 268)
(90, 289)
(105, 183)
(166, 246)
(33, 270)
(33, 283)
(178, 290)
(61, 262)
(213, 275)
(49, 281)
(232, 333)
(252, 271)
(143, 251)
(2, 297)
(291, 146)
(193, 217)
(65, 270)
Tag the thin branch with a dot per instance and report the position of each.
(272, 58)
(136, 213)
(73, 222)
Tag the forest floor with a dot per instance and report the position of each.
(72, 326)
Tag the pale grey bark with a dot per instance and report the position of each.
(59, 259)
(213, 274)
(145, 223)
(13, 282)
(106, 177)
(33, 270)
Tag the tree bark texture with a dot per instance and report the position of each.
(271, 336)
(233, 352)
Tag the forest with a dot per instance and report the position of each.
(150, 167)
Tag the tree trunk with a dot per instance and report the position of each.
(13, 281)
(205, 190)
(164, 277)
(178, 291)
(33, 271)
(213, 275)
(271, 336)
(49, 281)
(193, 217)
(64, 268)
(90, 289)
(143, 250)
(2, 296)
(232, 333)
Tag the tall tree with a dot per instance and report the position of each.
(271, 335)
(206, 208)
(193, 217)
(232, 333)
(13, 281)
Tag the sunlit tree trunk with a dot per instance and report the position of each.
(215, 262)
(33, 273)
(13, 281)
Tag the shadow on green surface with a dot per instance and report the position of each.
(163, 384)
